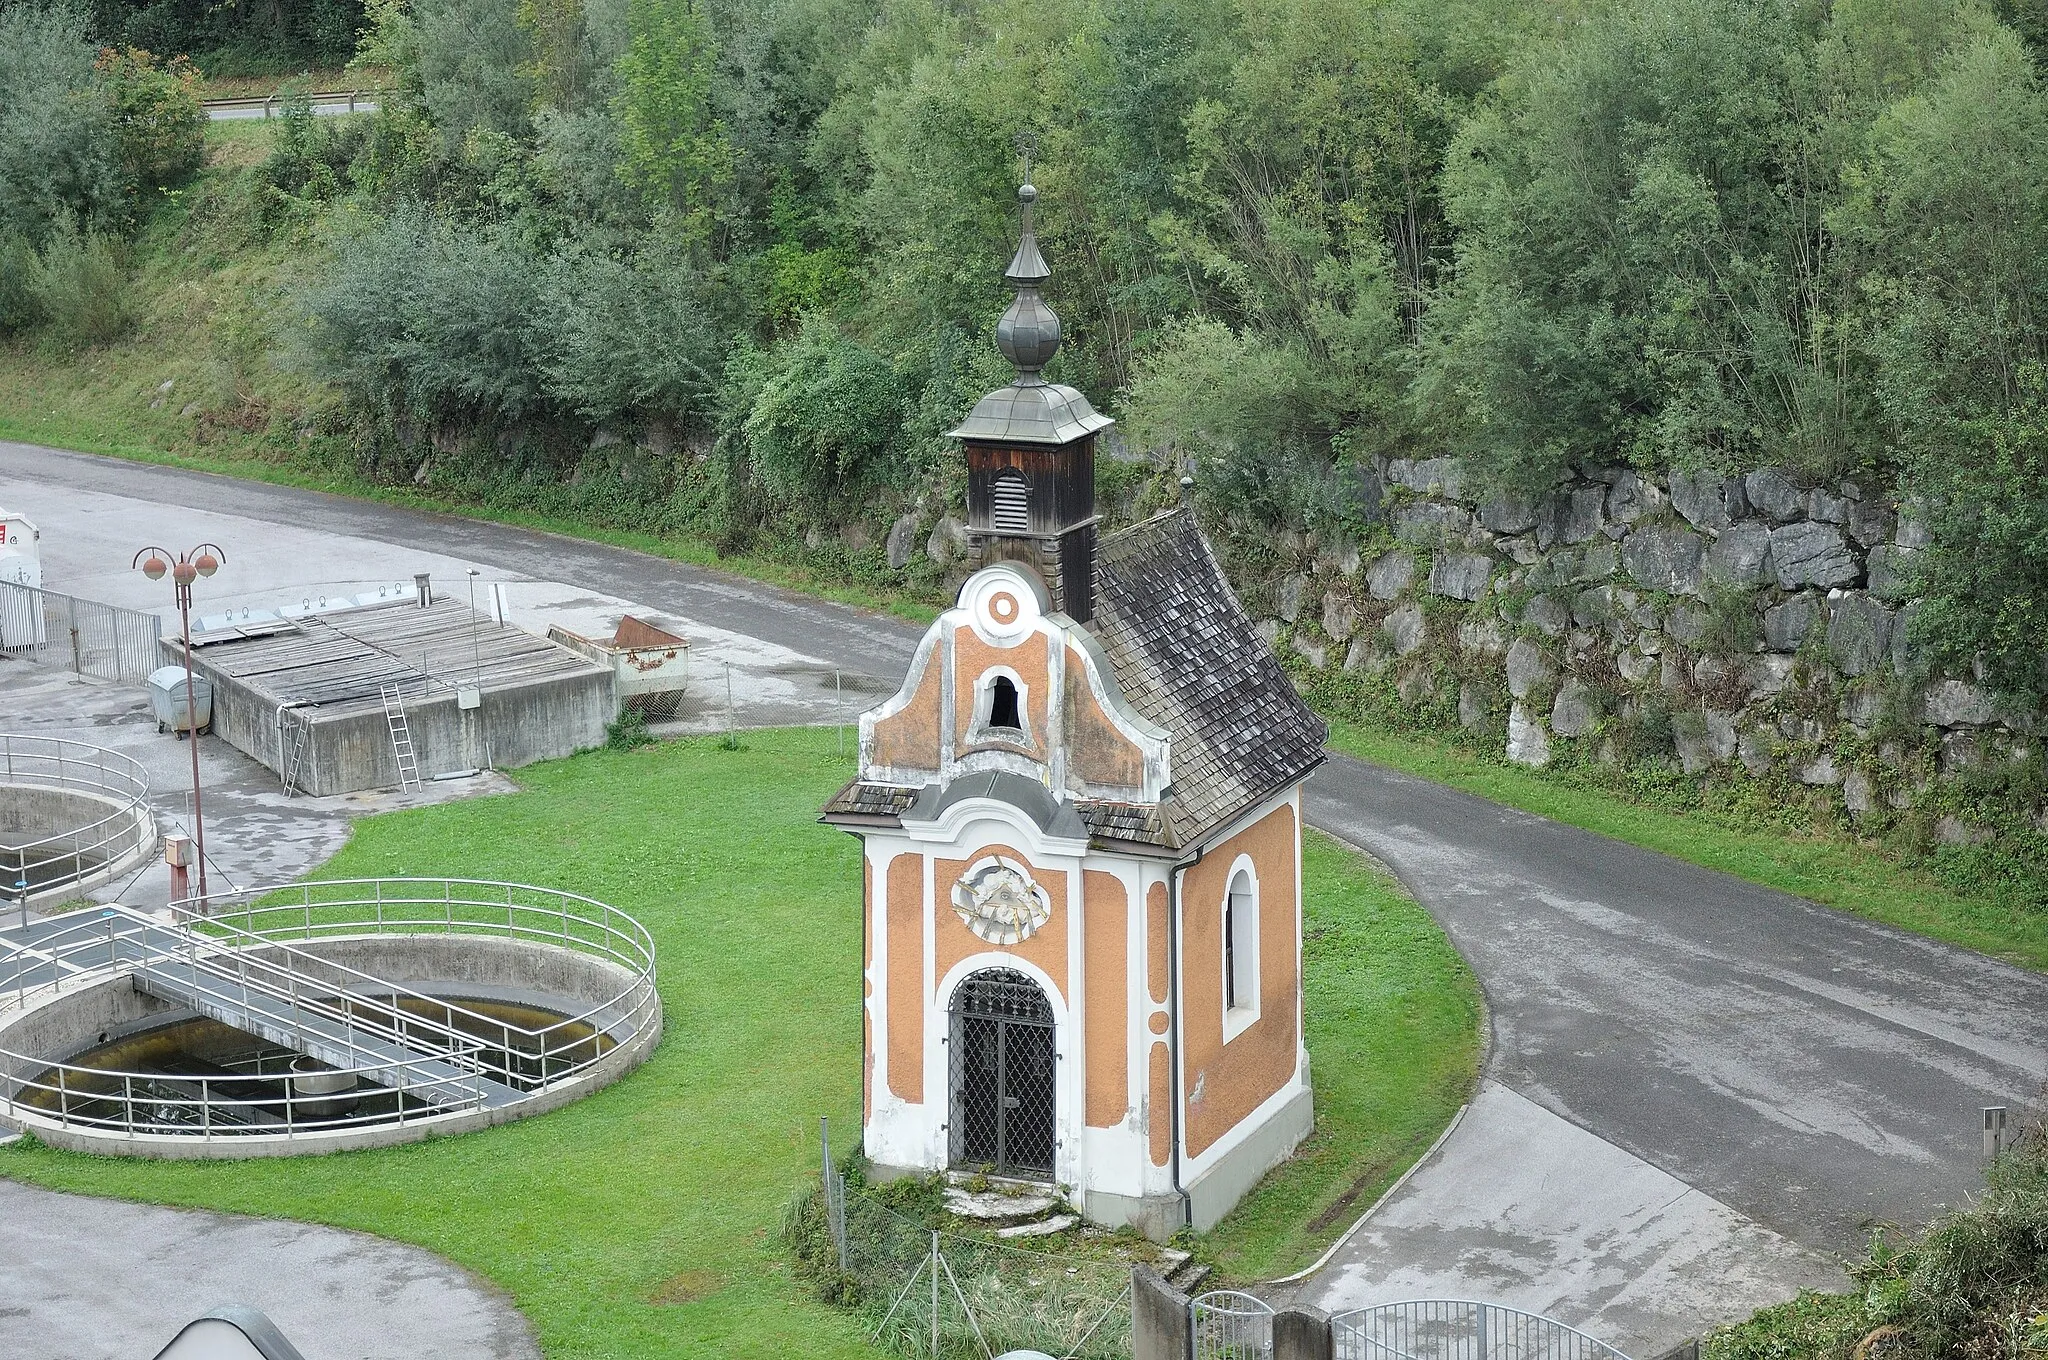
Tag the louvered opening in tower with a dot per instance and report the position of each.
(1012, 509)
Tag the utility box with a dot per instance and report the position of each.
(167, 699)
(21, 564)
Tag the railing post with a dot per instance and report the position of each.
(1485, 1330)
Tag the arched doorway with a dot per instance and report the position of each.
(1004, 1106)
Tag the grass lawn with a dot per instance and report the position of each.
(1826, 869)
(682, 1172)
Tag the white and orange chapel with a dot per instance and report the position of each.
(1081, 818)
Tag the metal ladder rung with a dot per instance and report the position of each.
(401, 739)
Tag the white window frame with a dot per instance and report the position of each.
(984, 705)
(1241, 948)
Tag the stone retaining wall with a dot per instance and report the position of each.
(1745, 625)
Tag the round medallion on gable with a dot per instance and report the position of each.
(998, 902)
(1002, 605)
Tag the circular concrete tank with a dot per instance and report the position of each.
(321, 1016)
(72, 817)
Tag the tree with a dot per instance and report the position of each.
(60, 159)
(671, 146)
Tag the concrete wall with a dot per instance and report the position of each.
(516, 725)
(77, 1020)
(33, 812)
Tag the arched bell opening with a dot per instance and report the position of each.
(1005, 1108)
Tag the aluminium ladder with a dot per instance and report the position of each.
(401, 739)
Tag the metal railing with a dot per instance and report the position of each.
(455, 1058)
(51, 864)
(85, 636)
(1226, 1324)
(1460, 1329)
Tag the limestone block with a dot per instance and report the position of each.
(1599, 606)
(1912, 528)
(1905, 652)
(1634, 666)
(1768, 674)
(1753, 748)
(1630, 498)
(1481, 637)
(947, 542)
(1390, 577)
(1856, 792)
(1472, 707)
(1429, 523)
(1546, 614)
(1287, 598)
(1771, 492)
(1954, 703)
(1347, 559)
(1859, 630)
(1786, 625)
(1570, 517)
(902, 541)
(1687, 625)
(1694, 755)
(1508, 513)
(1890, 568)
(1819, 771)
(1528, 743)
(1702, 499)
(1869, 522)
(1363, 657)
(1825, 506)
(1575, 710)
(1340, 616)
(1522, 549)
(1528, 668)
(1861, 706)
(1460, 576)
(1315, 653)
(1666, 559)
(1268, 631)
(1709, 671)
(1953, 830)
(1809, 554)
(1721, 734)
(1428, 476)
(1595, 562)
(1406, 629)
(1741, 556)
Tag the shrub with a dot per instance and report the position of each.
(18, 307)
(58, 152)
(159, 128)
(819, 414)
(79, 288)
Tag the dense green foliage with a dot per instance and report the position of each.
(1975, 1285)
(238, 37)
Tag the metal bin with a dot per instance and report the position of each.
(167, 699)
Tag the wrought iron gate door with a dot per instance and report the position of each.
(1003, 1062)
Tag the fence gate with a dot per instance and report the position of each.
(1459, 1329)
(1004, 1113)
(86, 636)
(1229, 1325)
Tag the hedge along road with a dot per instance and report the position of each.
(1805, 1069)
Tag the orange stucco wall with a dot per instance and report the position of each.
(1156, 962)
(1226, 1082)
(1096, 751)
(1106, 956)
(909, 739)
(906, 977)
(1160, 1109)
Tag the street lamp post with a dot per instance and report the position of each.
(204, 560)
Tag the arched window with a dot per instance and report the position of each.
(1240, 950)
(1011, 510)
(1002, 705)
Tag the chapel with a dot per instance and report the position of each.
(1081, 822)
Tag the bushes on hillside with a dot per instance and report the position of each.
(60, 160)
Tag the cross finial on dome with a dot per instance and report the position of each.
(1029, 333)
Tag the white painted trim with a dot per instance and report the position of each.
(979, 730)
(1069, 1112)
(950, 829)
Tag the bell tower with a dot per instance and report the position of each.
(1031, 449)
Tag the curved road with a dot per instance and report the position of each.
(1799, 1071)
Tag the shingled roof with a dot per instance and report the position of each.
(1186, 656)
(1183, 654)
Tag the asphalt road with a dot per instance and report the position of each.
(1808, 1069)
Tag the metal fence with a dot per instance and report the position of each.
(1228, 1325)
(86, 636)
(1460, 1329)
(117, 831)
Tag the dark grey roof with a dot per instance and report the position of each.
(1053, 816)
(1029, 411)
(1187, 657)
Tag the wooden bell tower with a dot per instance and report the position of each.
(1031, 450)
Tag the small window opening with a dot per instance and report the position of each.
(1240, 946)
(1002, 705)
(1012, 504)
